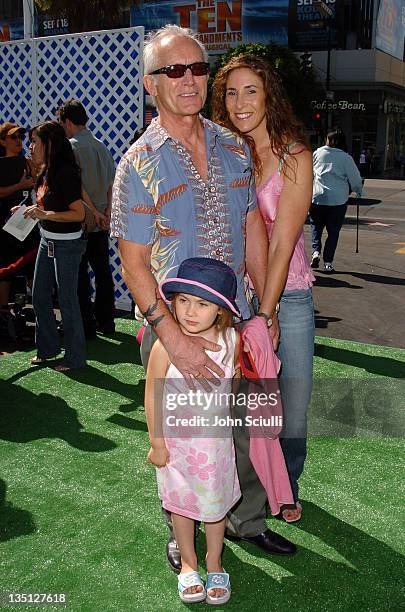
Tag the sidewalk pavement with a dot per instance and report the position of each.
(364, 300)
(392, 196)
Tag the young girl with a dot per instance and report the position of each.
(196, 475)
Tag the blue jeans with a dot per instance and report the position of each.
(331, 217)
(63, 270)
(296, 351)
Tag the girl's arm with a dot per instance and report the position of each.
(157, 369)
(74, 214)
(295, 200)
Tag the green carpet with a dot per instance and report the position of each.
(79, 511)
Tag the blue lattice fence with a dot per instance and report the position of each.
(101, 69)
(16, 82)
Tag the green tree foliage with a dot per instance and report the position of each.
(86, 15)
(300, 87)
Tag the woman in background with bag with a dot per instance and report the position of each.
(60, 209)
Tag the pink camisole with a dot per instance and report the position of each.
(268, 195)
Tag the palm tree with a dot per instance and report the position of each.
(86, 15)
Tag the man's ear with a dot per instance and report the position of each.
(150, 85)
(67, 125)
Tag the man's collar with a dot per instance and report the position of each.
(157, 135)
(81, 133)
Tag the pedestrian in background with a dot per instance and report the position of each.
(16, 177)
(60, 210)
(363, 164)
(98, 170)
(335, 177)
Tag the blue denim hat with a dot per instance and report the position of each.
(207, 278)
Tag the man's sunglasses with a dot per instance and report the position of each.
(16, 136)
(176, 71)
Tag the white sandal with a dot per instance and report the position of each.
(187, 580)
(218, 580)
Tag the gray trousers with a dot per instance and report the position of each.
(248, 516)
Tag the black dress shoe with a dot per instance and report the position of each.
(90, 334)
(107, 329)
(269, 541)
(173, 555)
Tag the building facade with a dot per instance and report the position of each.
(357, 48)
(363, 71)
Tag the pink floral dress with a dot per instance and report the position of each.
(200, 481)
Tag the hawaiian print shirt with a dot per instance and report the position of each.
(159, 199)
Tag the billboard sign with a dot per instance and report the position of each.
(391, 27)
(221, 25)
(46, 25)
(11, 30)
(309, 25)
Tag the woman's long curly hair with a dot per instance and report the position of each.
(282, 125)
(58, 153)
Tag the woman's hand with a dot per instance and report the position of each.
(14, 209)
(26, 183)
(274, 332)
(158, 456)
(35, 212)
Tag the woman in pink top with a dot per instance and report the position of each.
(248, 98)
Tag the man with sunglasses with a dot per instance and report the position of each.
(186, 189)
